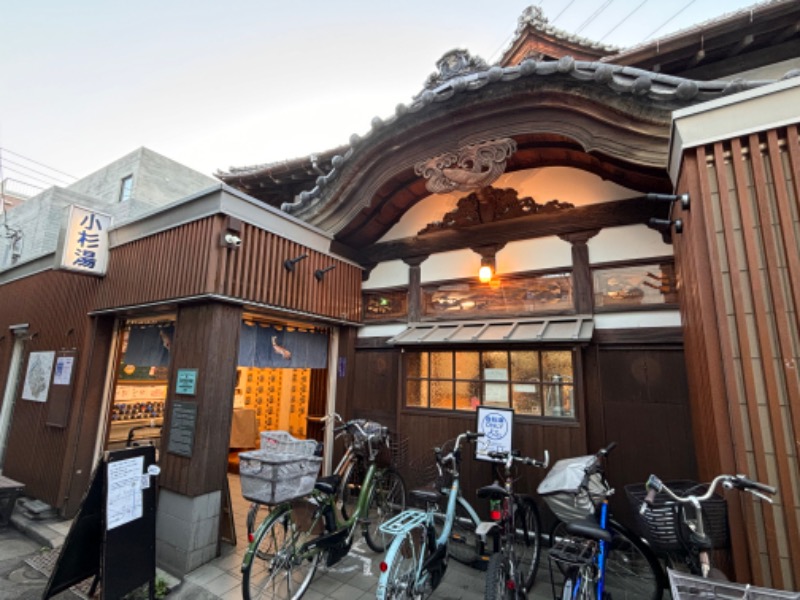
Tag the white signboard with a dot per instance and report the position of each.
(86, 241)
(63, 373)
(496, 425)
(37, 377)
(124, 499)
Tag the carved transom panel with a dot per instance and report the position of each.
(471, 167)
(489, 205)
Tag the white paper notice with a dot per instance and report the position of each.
(124, 500)
(63, 370)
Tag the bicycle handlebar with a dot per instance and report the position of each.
(514, 456)
(455, 453)
(740, 482)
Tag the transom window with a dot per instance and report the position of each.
(532, 382)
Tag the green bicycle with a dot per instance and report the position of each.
(283, 556)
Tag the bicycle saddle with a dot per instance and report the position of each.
(493, 492)
(588, 528)
(427, 495)
(328, 484)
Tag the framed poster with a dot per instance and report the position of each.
(38, 376)
(497, 425)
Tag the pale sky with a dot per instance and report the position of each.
(214, 84)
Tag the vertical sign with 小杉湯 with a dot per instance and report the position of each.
(85, 244)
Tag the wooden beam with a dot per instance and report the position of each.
(741, 45)
(596, 216)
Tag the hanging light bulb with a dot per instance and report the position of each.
(487, 269)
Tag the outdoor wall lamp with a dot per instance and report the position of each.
(488, 265)
(289, 263)
(682, 198)
(666, 224)
(320, 273)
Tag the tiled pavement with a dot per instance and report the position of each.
(23, 569)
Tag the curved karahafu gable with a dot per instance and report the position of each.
(610, 120)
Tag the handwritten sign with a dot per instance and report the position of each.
(86, 243)
(496, 424)
(124, 499)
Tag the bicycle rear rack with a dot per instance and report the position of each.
(405, 521)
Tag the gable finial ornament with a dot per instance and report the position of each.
(471, 167)
(455, 63)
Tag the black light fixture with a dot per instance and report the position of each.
(320, 273)
(289, 263)
(682, 198)
(665, 225)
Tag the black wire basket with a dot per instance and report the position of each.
(662, 525)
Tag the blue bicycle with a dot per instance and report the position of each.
(597, 557)
(417, 557)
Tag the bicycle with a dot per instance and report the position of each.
(350, 470)
(416, 560)
(598, 556)
(286, 548)
(512, 567)
(686, 523)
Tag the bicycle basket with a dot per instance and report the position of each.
(661, 522)
(284, 468)
(369, 432)
(568, 492)
(692, 587)
(282, 441)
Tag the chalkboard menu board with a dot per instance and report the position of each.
(181, 428)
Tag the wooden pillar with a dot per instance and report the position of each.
(582, 288)
(415, 287)
(206, 339)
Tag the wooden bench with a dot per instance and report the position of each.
(10, 490)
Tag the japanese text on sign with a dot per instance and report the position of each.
(86, 241)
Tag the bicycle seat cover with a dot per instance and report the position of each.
(588, 528)
(426, 495)
(328, 484)
(493, 492)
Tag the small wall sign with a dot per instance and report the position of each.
(496, 424)
(182, 426)
(186, 382)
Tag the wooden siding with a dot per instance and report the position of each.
(189, 261)
(55, 305)
(205, 338)
(739, 270)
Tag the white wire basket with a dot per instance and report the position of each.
(283, 468)
(692, 587)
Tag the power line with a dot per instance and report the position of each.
(23, 174)
(591, 17)
(628, 16)
(563, 10)
(670, 19)
(35, 162)
(54, 178)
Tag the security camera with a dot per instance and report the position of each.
(232, 241)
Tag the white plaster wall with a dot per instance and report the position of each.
(626, 243)
(392, 273)
(630, 320)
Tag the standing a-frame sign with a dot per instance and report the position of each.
(113, 536)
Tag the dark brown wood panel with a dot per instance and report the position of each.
(375, 388)
(55, 305)
(206, 339)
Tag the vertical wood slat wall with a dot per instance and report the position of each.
(739, 268)
(189, 261)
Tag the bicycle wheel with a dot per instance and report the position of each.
(398, 579)
(388, 498)
(463, 544)
(275, 569)
(527, 540)
(632, 570)
(497, 574)
(350, 487)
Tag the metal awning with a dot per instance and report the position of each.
(577, 328)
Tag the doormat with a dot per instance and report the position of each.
(45, 562)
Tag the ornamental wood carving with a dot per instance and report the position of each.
(488, 205)
(471, 167)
